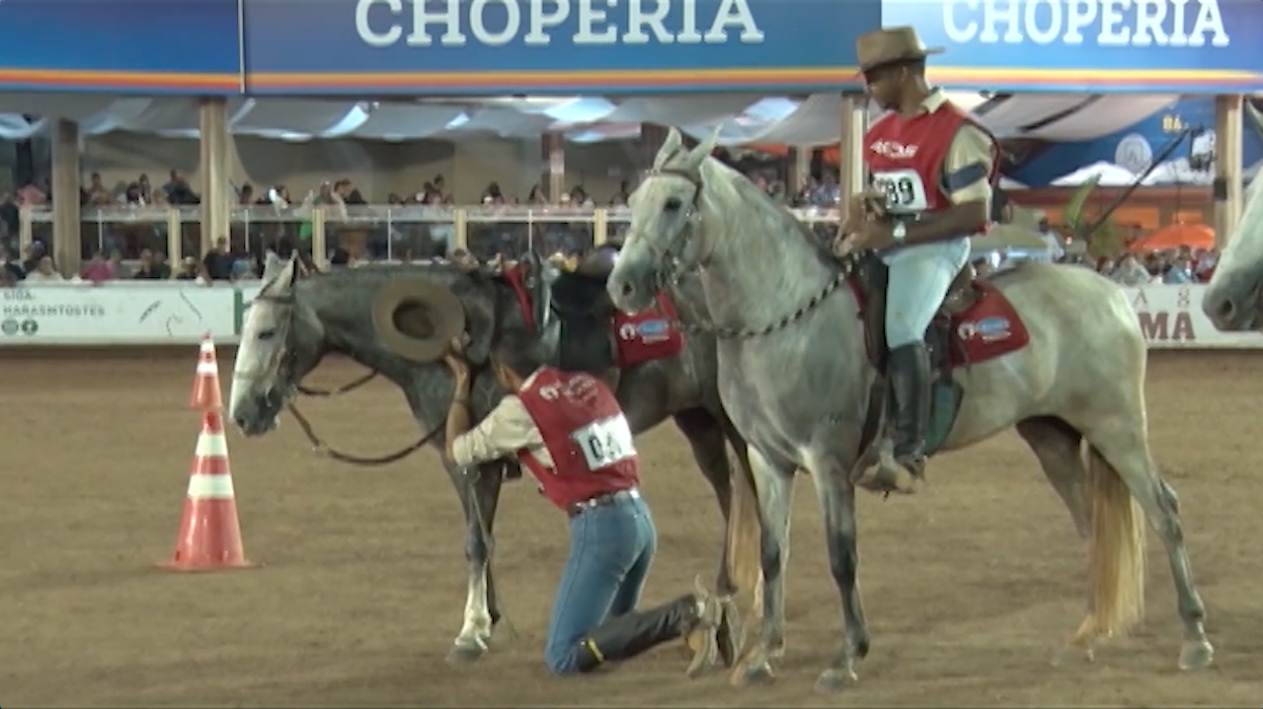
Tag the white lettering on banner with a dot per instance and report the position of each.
(114, 315)
(605, 442)
(1107, 23)
(638, 22)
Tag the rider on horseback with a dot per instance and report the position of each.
(934, 167)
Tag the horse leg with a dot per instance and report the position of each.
(775, 486)
(836, 495)
(745, 533)
(479, 494)
(1123, 474)
(1058, 447)
(706, 440)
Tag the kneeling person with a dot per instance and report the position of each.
(567, 428)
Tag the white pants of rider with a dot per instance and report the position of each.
(919, 279)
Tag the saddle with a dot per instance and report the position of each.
(869, 280)
(974, 323)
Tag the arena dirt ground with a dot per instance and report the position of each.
(969, 588)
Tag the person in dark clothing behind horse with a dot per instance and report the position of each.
(567, 428)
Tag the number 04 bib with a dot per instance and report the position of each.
(904, 190)
(605, 442)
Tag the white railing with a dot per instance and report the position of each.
(178, 230)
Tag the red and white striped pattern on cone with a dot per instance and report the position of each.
(207, 395)
(210, 532)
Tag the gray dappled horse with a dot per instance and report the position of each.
(799, 382)
(293, 322)
(1234, 299)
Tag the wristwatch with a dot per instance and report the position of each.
(899, 231)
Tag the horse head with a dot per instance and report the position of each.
(281, 341)
(665, 237)
(1234, 300)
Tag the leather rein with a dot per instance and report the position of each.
(286, 368)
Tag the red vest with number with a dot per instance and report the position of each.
(906, 158)
(586, 434)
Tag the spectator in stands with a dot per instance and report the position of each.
(96, 193)
(146, 190)
(121, 270)
(1130, 272)
(98, 270)
(178, 190)
(218, 262)
(44, 273)
(160, 265)
(442, 233)
(189, 270)
(1056, 250)
(10, 215)
(621, 196)
(147, 271)
(12, 268)
(348, 192)
(1180, 271)
(31, 255)
(493, 194)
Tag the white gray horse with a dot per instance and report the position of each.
(1234, 300)
(294, 322)
(794, 376)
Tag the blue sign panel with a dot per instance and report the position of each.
(361, 47)
(125, 46)
(1189, 46)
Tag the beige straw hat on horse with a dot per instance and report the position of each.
(889, 45)
(416, 318)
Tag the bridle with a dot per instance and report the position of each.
(670, 272)
(285, 360)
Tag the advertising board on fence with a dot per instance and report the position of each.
(1170, 316)
(116, 315)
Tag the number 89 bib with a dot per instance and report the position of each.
(605, 442)
(904, 191)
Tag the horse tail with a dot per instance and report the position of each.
(745, 529)
(1116, 554)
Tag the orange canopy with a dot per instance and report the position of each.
(1197, 236)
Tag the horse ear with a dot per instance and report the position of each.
(272, 265)
(698, 155)
(673, 142)
(479, 300)
(287, 272)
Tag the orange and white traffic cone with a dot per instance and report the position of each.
(210, 533)
(207, 395)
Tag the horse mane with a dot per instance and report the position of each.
(725, 181)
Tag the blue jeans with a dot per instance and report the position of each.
(919, 279)
(611, 550)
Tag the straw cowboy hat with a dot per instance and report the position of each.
(890, 45)
(416, 318)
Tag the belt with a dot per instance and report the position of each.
(602, 500)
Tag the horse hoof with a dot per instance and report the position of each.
(466, 654)
(1196, 655)
(753, 675)
(832, 681)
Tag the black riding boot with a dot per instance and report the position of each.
(633, 633)
(901, 458)
(909, 375)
